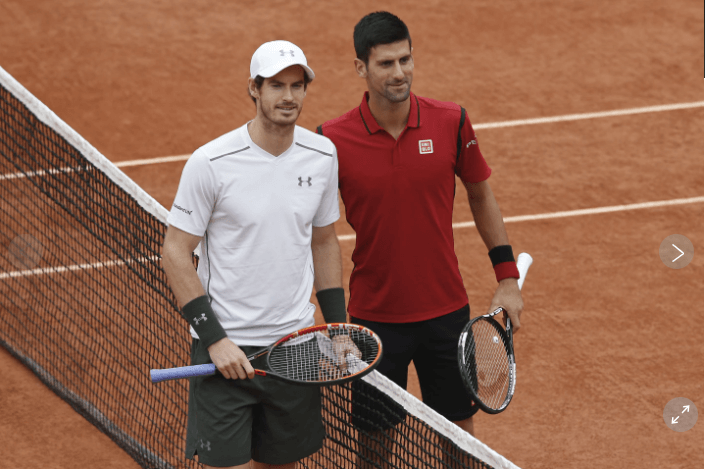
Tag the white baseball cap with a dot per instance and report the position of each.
(273, 57)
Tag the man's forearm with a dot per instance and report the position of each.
(182, 276)
(328, 278)
(327, 264)
(487, 216)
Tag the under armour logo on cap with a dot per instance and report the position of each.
(284, 53)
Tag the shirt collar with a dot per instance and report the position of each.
(371, 124)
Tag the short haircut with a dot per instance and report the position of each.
(259, 80)
(380, 27)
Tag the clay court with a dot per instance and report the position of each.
(609, 333)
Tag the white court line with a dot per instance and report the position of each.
(71, 268)
(566, 214)
(499, 124)
(21, 175)
(588, 116)
(350, 237)
(154, 160)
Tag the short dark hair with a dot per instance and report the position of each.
(259, 80)
(380, 27)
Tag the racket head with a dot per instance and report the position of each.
(486, 362)
(325, 354)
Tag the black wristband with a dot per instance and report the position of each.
(499, 254)
(332, 303)
(201, 317)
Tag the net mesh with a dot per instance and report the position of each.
(85, 304)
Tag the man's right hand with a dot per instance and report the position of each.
(230, 360)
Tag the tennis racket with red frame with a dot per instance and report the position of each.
(486, 355)
(319, 355)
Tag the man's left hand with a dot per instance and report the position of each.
(508, 296)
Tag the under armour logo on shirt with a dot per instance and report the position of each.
(284, 53)
(201, 318)
(205, 445)
(301, 181)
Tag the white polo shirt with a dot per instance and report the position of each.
(255, 213)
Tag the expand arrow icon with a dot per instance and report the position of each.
(686, 407)
(674, 260)
(674, 420)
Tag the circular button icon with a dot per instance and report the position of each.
(676, 251)
(680, 414)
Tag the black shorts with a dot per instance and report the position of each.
(433, 346)
(265, 419)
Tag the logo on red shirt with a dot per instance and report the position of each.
(426, 146)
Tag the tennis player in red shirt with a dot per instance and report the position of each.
(398, 157)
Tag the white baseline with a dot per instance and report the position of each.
(349, 237)
(588, 116)
(566, 214)
(499, 124)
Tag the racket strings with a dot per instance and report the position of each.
(493, 375)
(333, 354)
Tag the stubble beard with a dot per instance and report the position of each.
(397, 97)
(270, 114)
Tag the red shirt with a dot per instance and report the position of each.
(398, 197)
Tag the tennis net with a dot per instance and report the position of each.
(84, 303)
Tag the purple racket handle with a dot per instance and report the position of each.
(159, 375)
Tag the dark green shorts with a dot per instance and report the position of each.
(265, 419)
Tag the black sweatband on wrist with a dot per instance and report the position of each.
(201, 317)
(332, 303)
(499, 254)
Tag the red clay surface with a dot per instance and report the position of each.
(609, 335)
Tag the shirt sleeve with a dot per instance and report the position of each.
(195, 197)
(470, 166)
(329, 211)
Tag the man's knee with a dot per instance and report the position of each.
(466, 425)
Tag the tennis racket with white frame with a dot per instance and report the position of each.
(486, 355)
(319, 355)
